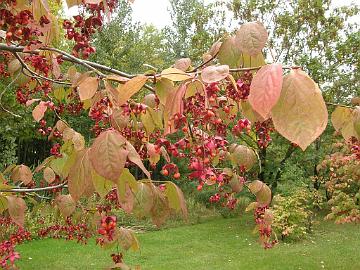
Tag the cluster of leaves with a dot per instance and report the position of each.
(341, 175)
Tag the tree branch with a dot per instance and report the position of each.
(21, 190)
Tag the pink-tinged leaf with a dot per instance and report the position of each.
(130, 88)
(66, 204)
(22, 173)
(17, 208)
(39, 111)
(107, 154)
(135, 158)
(300, 114)
(154, 154)
(31, 101)
(174, 105)
(176, 199)
(182, 64)
(252, 37)
(265, 89)
(79, 180)
(88, 87)
(235, 184)
(49, 175)
(126, 200)
(213, 74)
(160, 210)
(119, 120)
(55, 67)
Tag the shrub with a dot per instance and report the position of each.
(341, 174)
(293, 214)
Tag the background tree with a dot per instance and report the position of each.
(195, 27)
(317, 35)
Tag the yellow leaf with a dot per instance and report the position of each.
(175, 75)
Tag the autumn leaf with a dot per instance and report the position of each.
(107, 154)
(160, 209)
(176, 198)
(88, 87)
(182, 64)
(66, 204)
(213, 74)
(243, 156)
(342, 120)
(101, 185)
(135, 158)
(154, 155)
(255, 186)
(230, 53)
(39, 111)
(22, 173)
(175, 75)
(3, 204)
(143, 201)
(174, 105)
(127, 239)
(300, 114)
(265, 89)
(79, 180)
(17, 208)
(49, 175)
(252, 37)
(163, 88)
(130, 88)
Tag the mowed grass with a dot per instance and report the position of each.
(217, 244)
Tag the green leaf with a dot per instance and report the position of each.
(176, 198)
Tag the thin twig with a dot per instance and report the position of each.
(20, 190)
(34, 74)
(3, 92)
(340, 105)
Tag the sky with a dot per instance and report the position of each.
(156, 11)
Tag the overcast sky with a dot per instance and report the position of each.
(156, 11)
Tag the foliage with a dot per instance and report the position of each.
(339, 172)
(320, 39)
(216, 119)
(293, 214)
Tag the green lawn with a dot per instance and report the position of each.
(216, 244)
